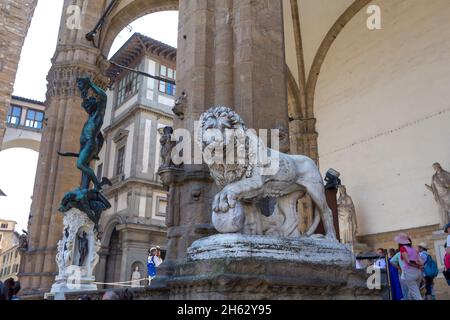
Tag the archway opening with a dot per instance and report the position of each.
(114, 258)
(161, 26)
(17, 174)
(145, 43)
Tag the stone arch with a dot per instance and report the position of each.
(108, 230)
(321, 54)
(109, 252)
(21, 143)
(294, 101)
(128, 11)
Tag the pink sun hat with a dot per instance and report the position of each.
(402, 238)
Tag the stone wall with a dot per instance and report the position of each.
(15, 19)
(386, 239)
(382, 108)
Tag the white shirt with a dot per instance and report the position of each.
(448, 241)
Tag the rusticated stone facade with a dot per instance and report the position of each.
(15, 19)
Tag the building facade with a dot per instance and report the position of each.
(10, 255)
(369, 102)
(25, 121)
(15, 19)
(138, 109)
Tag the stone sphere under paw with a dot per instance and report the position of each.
(231, 221)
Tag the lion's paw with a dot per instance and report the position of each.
(224, 200)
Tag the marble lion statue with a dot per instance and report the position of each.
(246, 183)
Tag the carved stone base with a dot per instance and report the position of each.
(230, 267)
(237, 246)
(76, 273)
(59, 289)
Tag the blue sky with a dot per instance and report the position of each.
(18, 166)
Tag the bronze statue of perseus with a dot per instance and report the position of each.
(89, 201)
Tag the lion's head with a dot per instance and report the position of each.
(217, 121)
(221, 118)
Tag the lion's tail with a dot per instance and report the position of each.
(315, 223)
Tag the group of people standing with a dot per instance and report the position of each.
(412, 269)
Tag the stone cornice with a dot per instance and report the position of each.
(132, 181)
(131, 112)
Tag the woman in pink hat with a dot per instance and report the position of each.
(411, 267)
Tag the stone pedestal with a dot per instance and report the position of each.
(76, 273)
(439, 238)
(233, 266)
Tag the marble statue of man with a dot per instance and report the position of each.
(135, 278)
(347, 217)
(440, 187)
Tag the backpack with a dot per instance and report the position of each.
(431, 269)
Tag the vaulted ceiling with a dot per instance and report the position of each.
(313, 19)
(311, 26)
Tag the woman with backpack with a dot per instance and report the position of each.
(430, 270)
(153, 262)
(411, 267)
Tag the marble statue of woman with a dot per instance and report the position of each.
(135, 278)
(347, 217)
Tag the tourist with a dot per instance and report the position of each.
(430, 270)
(397, 262)
(447, 265)
(9, 288)
(411, 267)
(151, 265)
(126, 295)
(16, 290)
(110, 295)
(380, 263)
(154, 261)
(394, 278)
